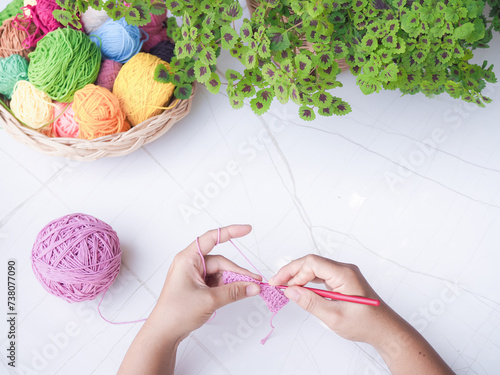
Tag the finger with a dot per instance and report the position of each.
(209, 239)
(228, 293)
(311, 302)
(218, 263)
(310, 268)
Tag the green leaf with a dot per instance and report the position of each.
(367, 84)
(236, 101)
(246, 32)
(183, 91)
(229, 37)
(279, 39)
(390, 73)
(303, 65)
(340, 108)
(158, 8)
(264, 49)
(245, 87)
(259, 106)
(269, 73)
(282, 92)
(213, 83)
(463, 31)
(62, 16)
(207, 56)
(322, 99)
(307, 113)
(232, 75)
(250, 60)
(202, 71)
(369, 42)
(162, 74)
(138, 14)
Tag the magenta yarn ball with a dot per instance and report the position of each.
(76, 257)
(108, 73)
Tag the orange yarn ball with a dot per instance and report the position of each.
(98, 113)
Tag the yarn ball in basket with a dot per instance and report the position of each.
(93, 19)
(140, 96)
(12, 9)
(108, 73)
(76, 257)
(31, 106)
(98, 113)
(12, 69)
(156, 31)
(164, 50)
(118, 40)
(64, 61)
(64, 124)
(41, 15)
(12, 38)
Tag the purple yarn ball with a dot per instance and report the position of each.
(76, 257)
(164, 50)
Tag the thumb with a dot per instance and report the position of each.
(309, 301)
(225, 294)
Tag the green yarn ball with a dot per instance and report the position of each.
(12, 9)
(64, 61)
(13, 68)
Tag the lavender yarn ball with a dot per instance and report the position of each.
(164, 50)
(76, 257)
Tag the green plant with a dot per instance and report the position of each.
(411, 46)
(418, 46)
(495, 14)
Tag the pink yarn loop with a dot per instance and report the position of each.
(76, 257)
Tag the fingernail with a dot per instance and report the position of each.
(271, 280)
(252, 290)
(292, 294)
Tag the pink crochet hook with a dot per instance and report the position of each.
(339, 296)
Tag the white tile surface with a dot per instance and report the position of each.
(406, 187)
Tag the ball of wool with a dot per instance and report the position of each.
(12, 9)
(64, 62)
(98, 113)
(156, 31)
(41, 15)
(140, 96)
(76, 257)
(108, 73)
(12, 69)
(12, 38)
(118, 40)
(64, 124)
(31, 106)
(164, 50)
(93, 19)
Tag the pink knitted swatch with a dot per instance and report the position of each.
(272, 296)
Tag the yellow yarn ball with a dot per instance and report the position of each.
(140, 96)
(31, 106)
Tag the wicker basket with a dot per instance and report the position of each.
(253, 4)
(111, 145)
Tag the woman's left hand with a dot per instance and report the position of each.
(188, 300)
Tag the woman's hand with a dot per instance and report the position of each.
(188, 300)
(404, 350)
(349, 320)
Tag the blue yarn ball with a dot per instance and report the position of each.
(118, 40)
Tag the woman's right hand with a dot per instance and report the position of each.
(350, 320)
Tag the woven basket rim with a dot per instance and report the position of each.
(118, 144)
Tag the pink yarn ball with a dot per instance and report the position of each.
(108, 73)
(156, 31)
(76, 257)
(65, 124)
